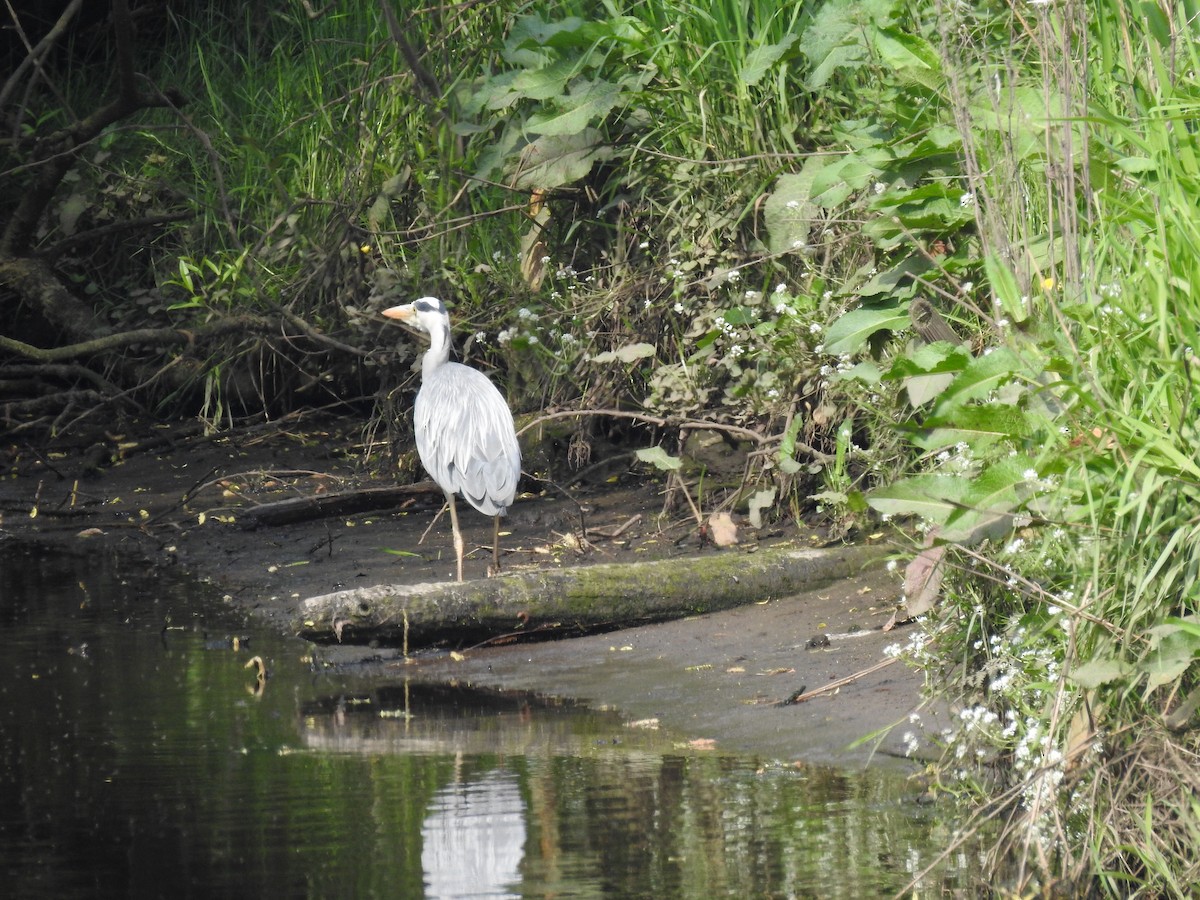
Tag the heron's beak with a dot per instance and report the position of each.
(404, 313)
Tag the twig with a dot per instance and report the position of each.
(611, 532)
(834, 685)
(649, 419)
(34, 55)
(663, 422)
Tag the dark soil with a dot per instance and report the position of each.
(725, 677)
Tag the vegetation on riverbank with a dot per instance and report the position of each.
(937, 259)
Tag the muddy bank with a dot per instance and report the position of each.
(725, 677)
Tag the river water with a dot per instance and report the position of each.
(141, 754)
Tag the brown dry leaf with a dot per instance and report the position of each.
(1079, 735)
(570, 541)
(722, 529)
(702, 744)
(923, 580)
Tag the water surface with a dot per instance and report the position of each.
(139, 756)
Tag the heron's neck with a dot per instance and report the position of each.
(438, 352)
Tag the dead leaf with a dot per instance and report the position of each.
(763, 500)
(1080, 735)
(722, 529)
(923, 580)
(702, 744)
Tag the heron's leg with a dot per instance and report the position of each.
(496, 543)
(458, 539)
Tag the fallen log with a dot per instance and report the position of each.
(564, 602)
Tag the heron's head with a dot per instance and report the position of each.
(425, 314)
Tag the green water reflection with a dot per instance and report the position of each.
(139, 757)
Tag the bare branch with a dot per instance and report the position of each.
(33, 59)
(429, 85)
(689, 424)
(117, 341)
(101, 231)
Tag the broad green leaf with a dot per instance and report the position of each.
(1136, 165)
(787, 447)
(903, 50)
(788, 211)
(584, 104)
(553, 160)
(981, 377)
(1190, 624)
(533, 31)
(976, 426)
(1005, 287)
(545, 82)
(834, 38)
(659, 458)
(932, 497)
(760, 60)
(850, 332)
(1170, 658)
(923, 388)
(1096, 672)
(866, 372)
(899, 281)
(628, 30)
(837, 180)
(930, 359)
(988, 503)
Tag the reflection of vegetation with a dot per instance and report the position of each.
(710, 826)
(147, 765)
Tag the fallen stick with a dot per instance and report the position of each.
(834, 685)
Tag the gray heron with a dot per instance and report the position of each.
(464, 429)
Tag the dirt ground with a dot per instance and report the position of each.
(725, 678)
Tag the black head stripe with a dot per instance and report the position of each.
(426, 306)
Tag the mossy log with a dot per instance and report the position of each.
(564, 602)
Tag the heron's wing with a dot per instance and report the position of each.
(466, 439)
